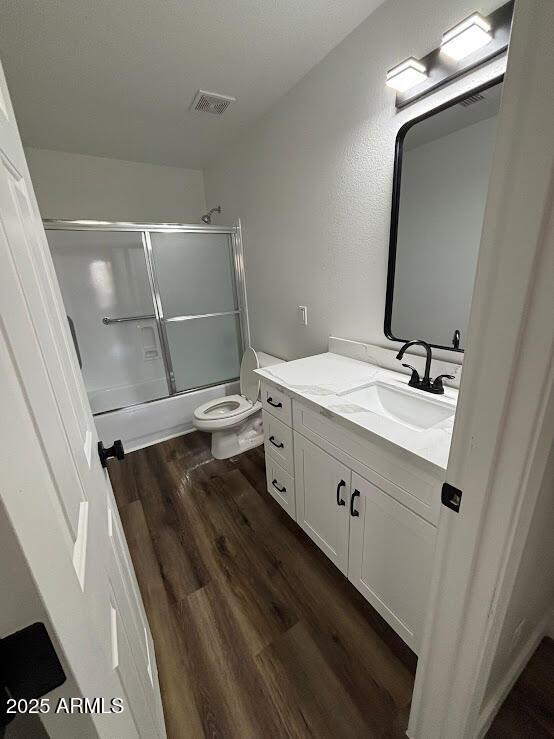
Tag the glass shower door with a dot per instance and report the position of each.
(198, 303)
(106, 291)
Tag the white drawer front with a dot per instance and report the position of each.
(277, 403)
(278, 441)
(390, 471)
(281, 486)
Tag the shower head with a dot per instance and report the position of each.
(207, 218)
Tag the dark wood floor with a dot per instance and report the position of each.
(256, 633)
(528, 711)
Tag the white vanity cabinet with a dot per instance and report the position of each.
(280, 485)
(390, 558)
(370, 509)
(278, 441)
(323, 499)
(277, 403)
(278, 446)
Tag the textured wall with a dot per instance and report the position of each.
(77, 186)
(312, 183)
(532, 598)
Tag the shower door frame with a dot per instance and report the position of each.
(145, 229)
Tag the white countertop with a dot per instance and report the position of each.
(323, 379)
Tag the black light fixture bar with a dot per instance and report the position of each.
(441, 69)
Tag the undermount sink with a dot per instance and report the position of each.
(411, 408)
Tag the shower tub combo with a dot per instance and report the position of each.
(159, 320)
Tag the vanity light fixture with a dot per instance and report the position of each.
(406, 75)
(466, 37)
(466, 46)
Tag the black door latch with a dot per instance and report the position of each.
(451, 497)
(105, 453)
(29, 667)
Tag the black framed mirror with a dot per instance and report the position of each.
(441, 174)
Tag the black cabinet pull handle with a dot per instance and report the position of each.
(355, 494)
(279, 445)
(339, 486)
(281, 490)
(275, 405)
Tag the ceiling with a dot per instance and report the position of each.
(116, 78)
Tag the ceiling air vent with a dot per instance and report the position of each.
(211, 102)
(471, 100)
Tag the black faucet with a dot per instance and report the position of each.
(424, 383)
(456, 339)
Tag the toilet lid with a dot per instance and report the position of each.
(249, 382)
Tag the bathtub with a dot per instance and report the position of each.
(149, 423)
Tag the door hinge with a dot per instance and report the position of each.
(451, 497)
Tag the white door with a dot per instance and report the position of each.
(322, 499)
(391, 555)
(55, 492)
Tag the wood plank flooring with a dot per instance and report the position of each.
(528, 711)
(256, 633)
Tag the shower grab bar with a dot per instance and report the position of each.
(107, 321)
(201, 315)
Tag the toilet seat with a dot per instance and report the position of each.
(231, 410)
(221, 413)
(235, 421)
(226, 407)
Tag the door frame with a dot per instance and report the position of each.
(504, 424)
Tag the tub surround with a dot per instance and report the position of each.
(323, 382)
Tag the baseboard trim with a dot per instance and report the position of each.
(492, 706)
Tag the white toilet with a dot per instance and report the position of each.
(235, 421)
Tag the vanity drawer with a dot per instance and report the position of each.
(280, 486)
(278, 441)
(390, 469)
(277, 403)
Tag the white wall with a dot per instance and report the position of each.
(532, 599)
(312, 182)
(436, 256)
(78, 186)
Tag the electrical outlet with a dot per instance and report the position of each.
(303, 310)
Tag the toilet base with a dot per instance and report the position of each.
(236, 440)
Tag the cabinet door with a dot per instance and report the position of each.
(391, 552)
(322, 499)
